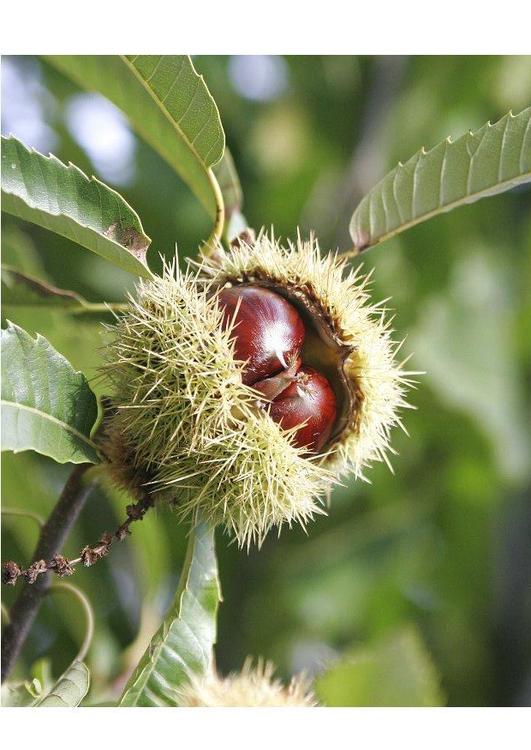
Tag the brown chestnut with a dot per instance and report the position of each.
(268, 330)
(310, 401)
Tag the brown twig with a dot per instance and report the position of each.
(51, 540)
(88, 556)
(37, 575)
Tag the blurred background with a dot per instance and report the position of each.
(444, 544)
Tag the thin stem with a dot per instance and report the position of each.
(88, 555)
(51, 540)
(67, 588)
(96, 307)
(352, 253)
(209, 248)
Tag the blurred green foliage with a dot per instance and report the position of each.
(394, 671)
(444, 544)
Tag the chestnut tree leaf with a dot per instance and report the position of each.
(396, 671)
(167, 103)
(47, 406)
(183, 645)
(70, 688)
(490, 160)
(43, 190)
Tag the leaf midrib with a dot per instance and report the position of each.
(174, 123)
(497, 187)
(144, 677)
(72, 222)
(50, 418)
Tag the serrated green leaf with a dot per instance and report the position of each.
(167, 103)
(182, 93)
(493, 159)
(70, 688)
(394, 672)
(43, 190)
(184, 643)
(47, 406)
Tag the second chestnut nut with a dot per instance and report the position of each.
(269, 336)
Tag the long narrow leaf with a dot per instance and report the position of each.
(167, 103)
(43, 190)
(184, 643)
(491, 160)
(47, 406)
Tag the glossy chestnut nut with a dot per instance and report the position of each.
(268, 330)
(308, 401)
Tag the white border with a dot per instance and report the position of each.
(264, 729)
(274, 27)
(270, 26)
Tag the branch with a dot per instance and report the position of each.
(51, 540)
(88, 555)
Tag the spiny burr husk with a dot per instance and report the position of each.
(185, 428)
(188, 430)
(253, 686)
(352, 342)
